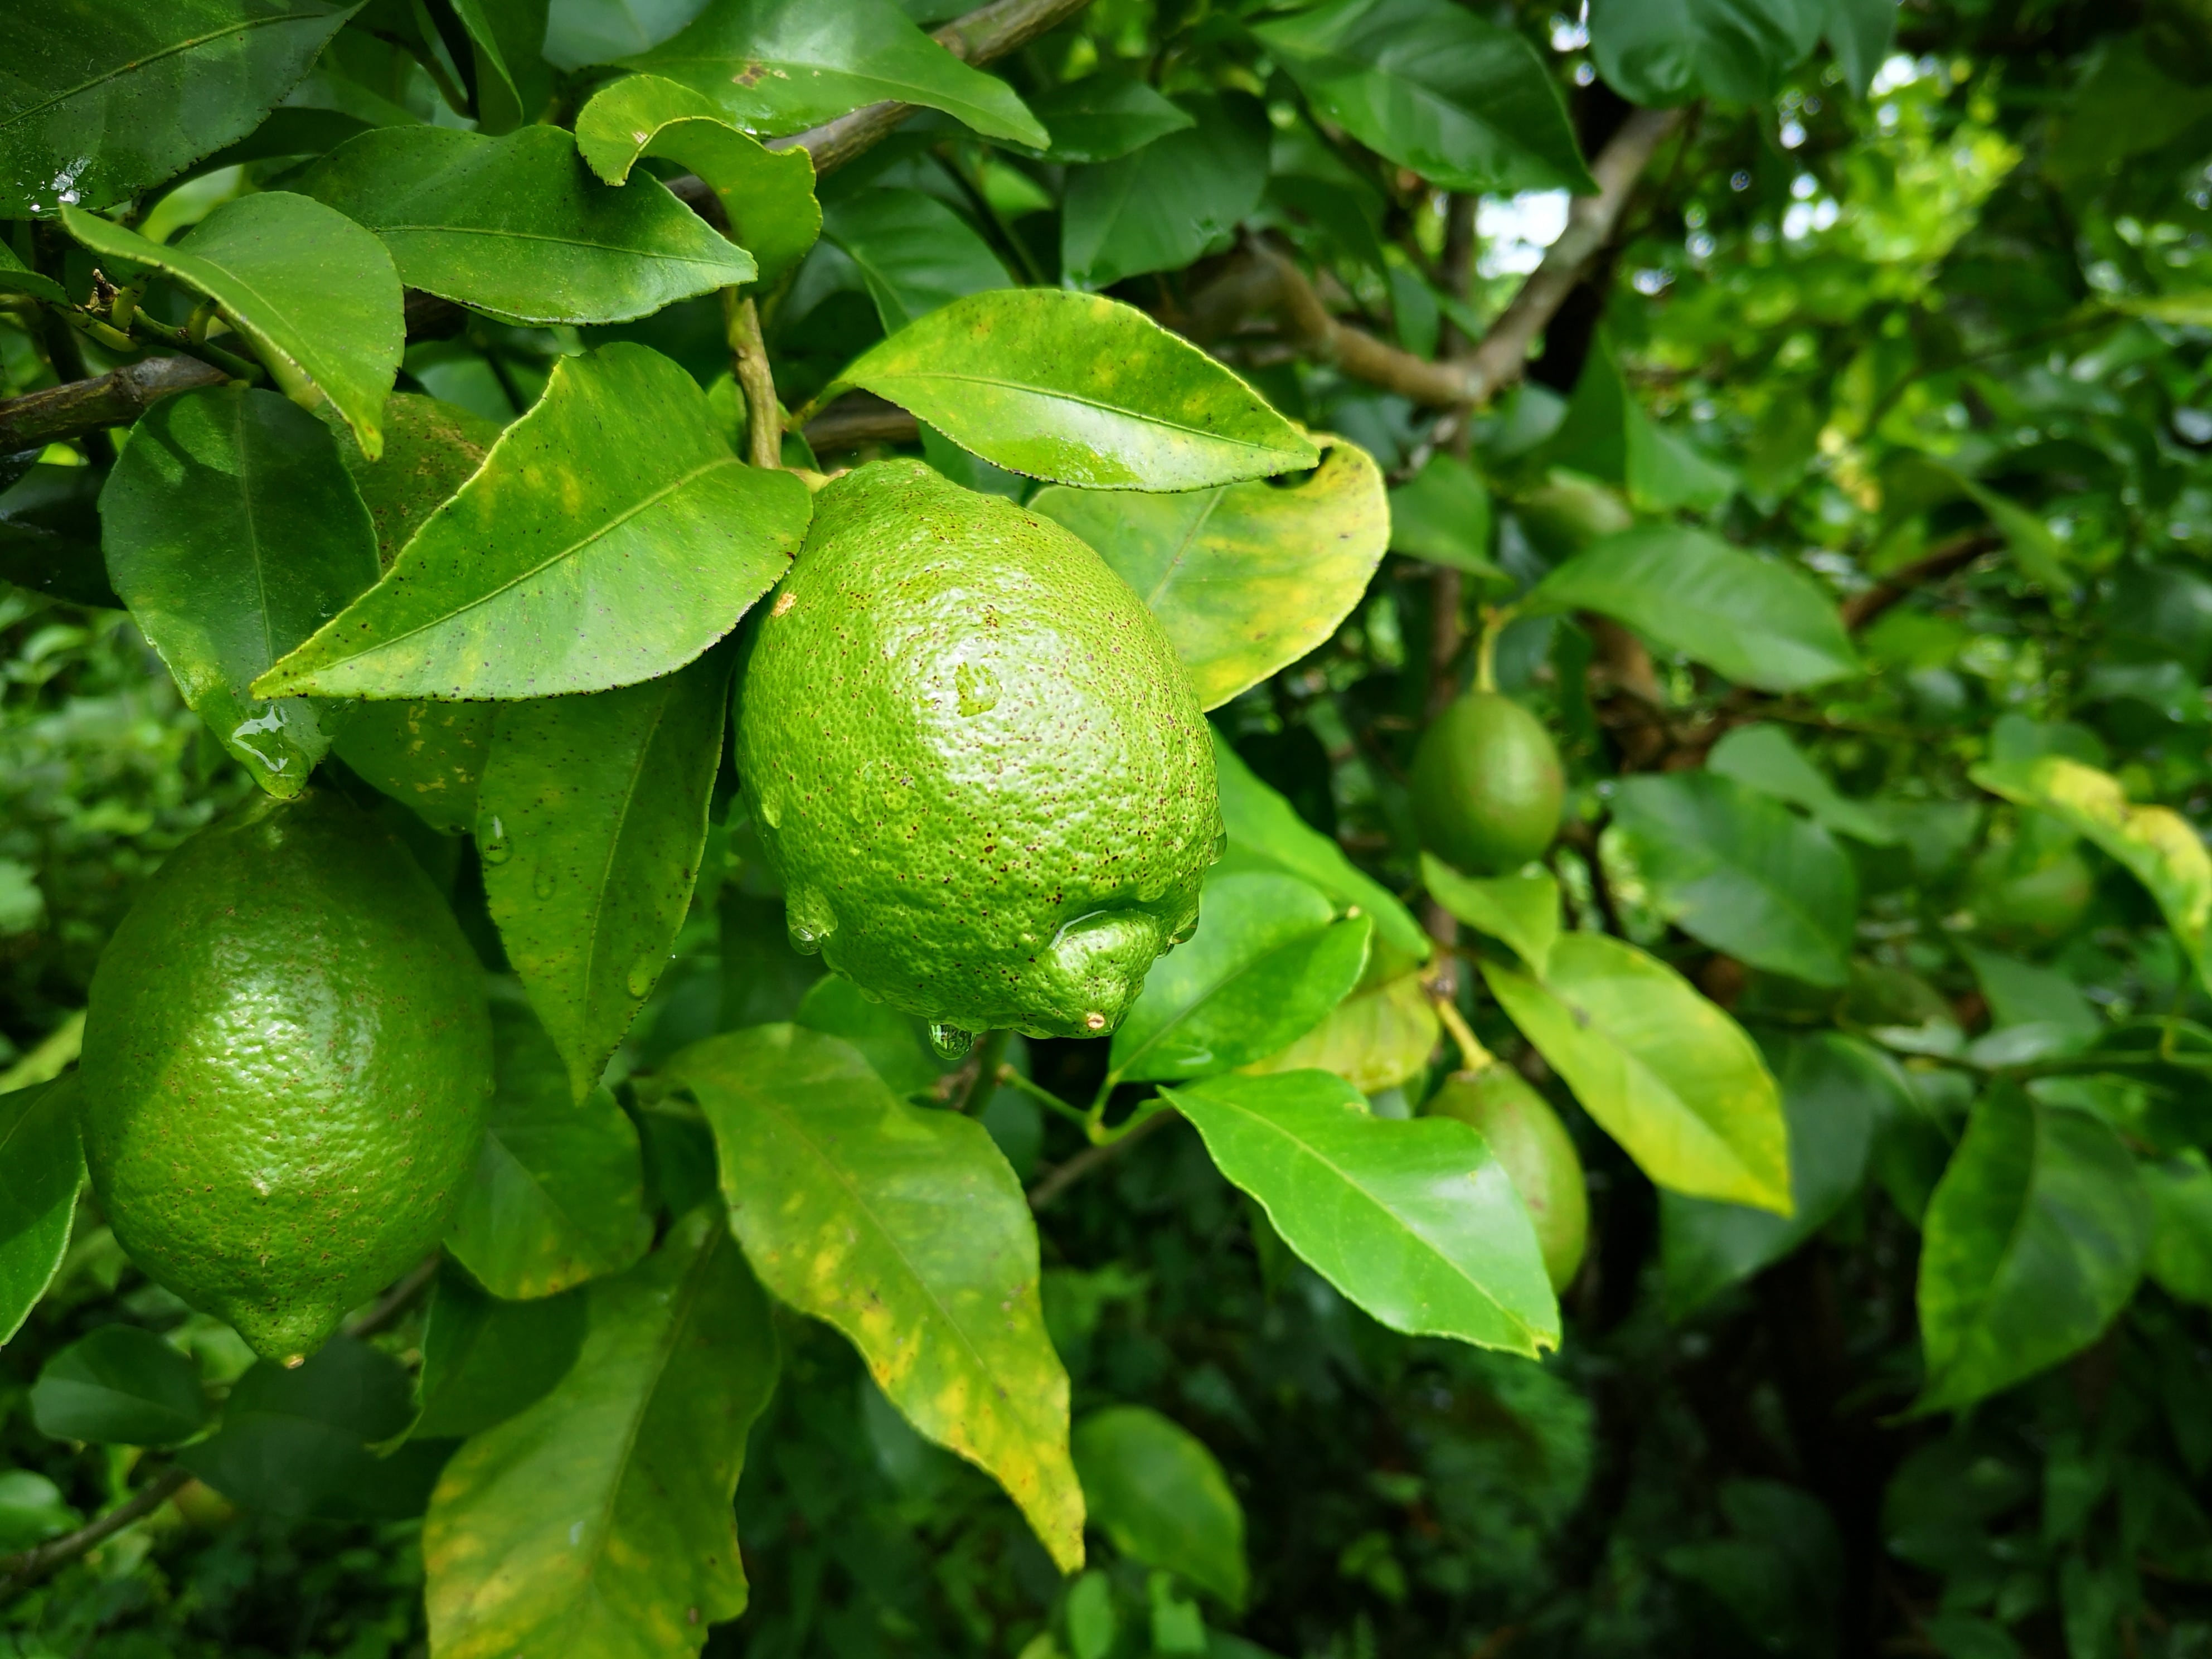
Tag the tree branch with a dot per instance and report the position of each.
(59, 413)
(864, 419)
(1263, 280)
(1064, 1176)
(22, 1570)
(1948, 556)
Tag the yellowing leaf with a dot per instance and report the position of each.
(1374, 1040)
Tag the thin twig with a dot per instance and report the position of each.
(1945, 558)
(19, 1572)
(749, 362)
(1089, 1158)
(395, 1302)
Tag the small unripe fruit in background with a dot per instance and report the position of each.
(1488, 784)
(1526, 1136)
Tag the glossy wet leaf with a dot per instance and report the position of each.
(1268, 961)
(233, 532)
(1105, 115)
(609, 536)
(1153, 1488)
(1836, 1092)
(768, 196)
(1762, 757)
(122, 1385)
(296, 1441)
(485, 1359)
(1664, 1071)
(1079, 389)
(1757, 621)
(557, 1195)
(1267, 833)
(41, 1167)
(1161, 207)
(1411, 1218)
(431, 448)
(1521, 910)
(903, 1228)
(428, 756)
(2180, 1190)
(97, 102)
(1668, 51)
(2156, 844)
(597, 1520)
(315, 295)
(591, 819)
(1741, 872)
(2032, 1241)
(1248, 577)
(1460, 99)
(520, 227)
(781, 65)
(1442, 514)
(915, 254)
(1377, 1038)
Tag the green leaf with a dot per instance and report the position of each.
(120, 1385)
(1760, 621)
(99, 101)
(591, 820)
(314, 294)
(1861, 33)
(485, 1360)
(50, 535)
(1152, 1487)
(558, 1195)
(609, 536)
(1835, 1091)
(1442, 515)
(1374, 1039)
(2032, 1241)
(1268, 961)
(581, 32)
(1412, 1219)
(41, 1167)
(840, 1195)
(1669, 51)
(1161, 207)
(427, 755)
(2180, 1189)
(767, 196)
(914, 253)
(1521, 910)
(518, 226)
(1741, 872)
(597, 1520)
(2156, 844)
(781, 65)
(1079, 389)
(1266, 833)
(1461, 102)
(1664, 1070)
(1606, 435)
(430, 450)
(894, 1045)
(1246, 577)
(17, 277)
(296, 1441)
(1762, 757)
(1105, 115)
(232, 532)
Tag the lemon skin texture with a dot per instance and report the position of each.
(1488, 784)
(1526, 1136)
(287, 1064)
(974, 760)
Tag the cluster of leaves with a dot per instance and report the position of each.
(1849, 536)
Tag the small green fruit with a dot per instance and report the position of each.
(1488, 784)
(974, 760)
(287, 1064)
(1567, 512)
(1526, 1136)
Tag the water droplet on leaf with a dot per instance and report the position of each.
(492, 845)
(642, 975)
(950, 1041)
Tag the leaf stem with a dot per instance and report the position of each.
(1472, 1056)
(749, 363)
(1045, 1098)
(1494, 618)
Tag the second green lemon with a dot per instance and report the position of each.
(1488, 784)
(974, 760)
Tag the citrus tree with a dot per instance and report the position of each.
(1185, 829)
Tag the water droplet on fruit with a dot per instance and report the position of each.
(492, 845)
(978, 688)
(950, 1041)
(805, 941)
(1220, 846)
(642, 975)
(808, 920)
(544, 882)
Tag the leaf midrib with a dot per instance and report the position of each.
(1054, 394)
(171, 51)
(705, 259)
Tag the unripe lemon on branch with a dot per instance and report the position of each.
(975, 761)
(1488, 784)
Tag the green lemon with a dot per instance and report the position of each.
(974, 760)
(1488, 784)
(1527, 1137)
(287, 1063)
